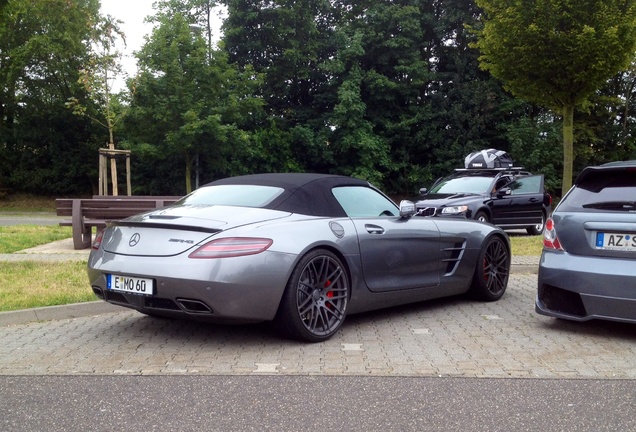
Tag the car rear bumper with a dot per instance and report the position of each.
(207, 290)
(581, 288)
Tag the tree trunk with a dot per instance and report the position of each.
(568, 148)
(111, 140)
(113, 171)
(188, 174)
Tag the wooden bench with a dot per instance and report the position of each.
(86, 213)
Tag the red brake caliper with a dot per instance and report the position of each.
(329, 293)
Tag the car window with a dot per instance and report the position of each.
(237, 195)
(501, 183)
(526, 185)
(360, 201)
(469, 184)
(602, 191)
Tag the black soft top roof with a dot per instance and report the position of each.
(304, 193)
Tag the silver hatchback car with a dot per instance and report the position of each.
(588, 264)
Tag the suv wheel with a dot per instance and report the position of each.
(538, 228)
(482, 217)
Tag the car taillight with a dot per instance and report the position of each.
(550, 239)
(98, 240)
(232, 247)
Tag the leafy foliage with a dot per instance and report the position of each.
(391, 92)
(194, 99)
(43, 148)
(557, 53)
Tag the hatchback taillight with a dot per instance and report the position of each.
(232, 247)
(550, 239)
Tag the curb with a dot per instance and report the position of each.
(52, 313)
(100, 307)
(524, 268)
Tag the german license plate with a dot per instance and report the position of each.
(616, 241)
(129, 284)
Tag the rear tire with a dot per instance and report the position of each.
(314, 305)
(492, 271)
(538, 228)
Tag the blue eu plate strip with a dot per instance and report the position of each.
(599, 239)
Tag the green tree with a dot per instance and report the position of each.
(557, 53)
(408, 74)
(43, 45)
(607, 126)
(187, 101)
(289, 42)
(100, 71)
(168, 89)
(199, 13)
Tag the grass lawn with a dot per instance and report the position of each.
(30, 284)
(18, 237)
(523, 245)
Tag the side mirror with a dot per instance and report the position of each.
(423, 191)
(505, 191)
(407, 209)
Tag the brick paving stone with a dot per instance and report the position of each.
(448, 337)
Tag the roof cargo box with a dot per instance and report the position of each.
(489, 158)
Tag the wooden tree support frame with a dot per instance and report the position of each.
(104, 155)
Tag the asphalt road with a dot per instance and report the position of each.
(299, 403)
(444, 365)
(32, 218)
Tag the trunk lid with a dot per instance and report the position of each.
(583, 233)
(174, 230)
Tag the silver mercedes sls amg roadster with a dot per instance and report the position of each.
(303, 250)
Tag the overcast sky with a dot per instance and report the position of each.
(132, 13)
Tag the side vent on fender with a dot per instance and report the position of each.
(452, 257)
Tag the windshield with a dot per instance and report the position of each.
(233, 195)
(457, 185)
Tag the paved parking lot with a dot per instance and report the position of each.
(448, 337)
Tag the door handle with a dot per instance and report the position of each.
(374, 229)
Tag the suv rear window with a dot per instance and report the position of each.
(602, 190)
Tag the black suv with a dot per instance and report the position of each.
(507, 197)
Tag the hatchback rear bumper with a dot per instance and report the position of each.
(580, 288)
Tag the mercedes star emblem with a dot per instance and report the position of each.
(134, 240)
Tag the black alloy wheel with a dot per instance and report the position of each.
(314, 305)
(492, 270)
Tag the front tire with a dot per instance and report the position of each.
(482, 217)
(314, 305)
(492, 271)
